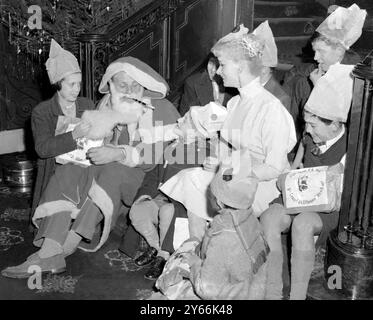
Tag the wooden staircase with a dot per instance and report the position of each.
(292, 23)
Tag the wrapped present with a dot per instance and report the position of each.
(78, 156)
(208, 119)
(316, 189)
(173, 282)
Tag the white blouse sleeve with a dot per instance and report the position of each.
(278, 138)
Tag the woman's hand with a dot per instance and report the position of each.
(81, 130)
(105, 154)
(211, 164)
(185, 129)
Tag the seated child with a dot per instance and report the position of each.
(230, 263)
(325, 144)
(153, 212)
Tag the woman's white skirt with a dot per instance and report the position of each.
(190, 187)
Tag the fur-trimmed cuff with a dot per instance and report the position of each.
(102, 200)
(50, 208)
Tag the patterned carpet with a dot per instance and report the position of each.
(106, 274)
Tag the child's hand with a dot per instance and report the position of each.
(316, 75)
(281, 181)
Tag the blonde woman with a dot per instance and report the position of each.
(257, 125)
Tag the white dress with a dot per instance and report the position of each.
(258, 124)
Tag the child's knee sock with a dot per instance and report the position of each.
(274, 275)
(302, 263)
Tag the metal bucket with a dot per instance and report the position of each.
(19, 174)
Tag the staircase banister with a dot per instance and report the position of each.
(93, 37)
(120, 26)
(364, 69)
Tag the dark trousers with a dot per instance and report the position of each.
(58, 225)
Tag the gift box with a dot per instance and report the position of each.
(78, 156)
(316, 189)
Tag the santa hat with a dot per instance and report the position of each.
(343, 25)
(155, 86)
(60, 63)
(234, 184)
(209, 118)
(332, 95)
(264, 32)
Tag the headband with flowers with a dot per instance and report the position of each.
(253, 47)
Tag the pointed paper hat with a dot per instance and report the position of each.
(344, 25)
(155, 86)
(332, 95)
(234, 184)
(235, 34)
(258, 43)
(60, 63)
(264, 32)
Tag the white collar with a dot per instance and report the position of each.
(335, 64)
(330, 142)
(249, 89)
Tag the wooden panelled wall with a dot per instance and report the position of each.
(173, 37)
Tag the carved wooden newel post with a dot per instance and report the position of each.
(351, 245)
(93, 56)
